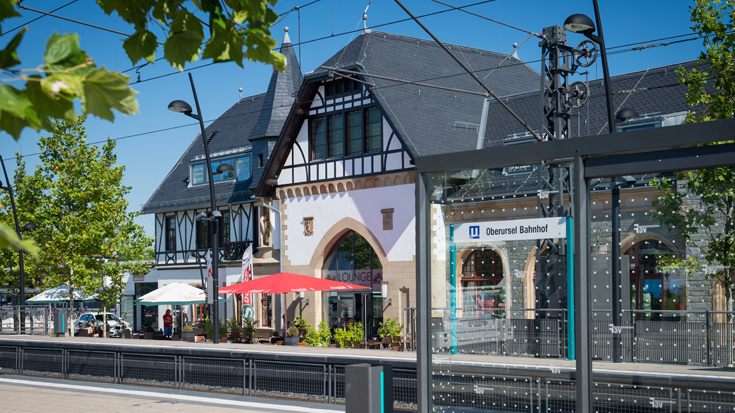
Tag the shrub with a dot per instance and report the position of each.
(390, 327)
(292, 332)
(319, 337)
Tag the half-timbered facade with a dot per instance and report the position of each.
(243, 137)
(342, 171)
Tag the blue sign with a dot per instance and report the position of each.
(474, 232)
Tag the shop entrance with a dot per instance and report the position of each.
(353, 260)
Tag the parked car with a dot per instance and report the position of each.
(117, 325)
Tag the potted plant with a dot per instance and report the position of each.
(187, 333)
(319, 337)
(248, 329)
(391, 328)
(340, 336)
(224, 331)
(292, 336)
(301, 323)
(235, 330)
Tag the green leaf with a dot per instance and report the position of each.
(226, 43)
(9, 56)
(105, 90)
(12, 124)
(69, 84)
(58, 106)
(141, 45)
(61, 47)
(9, 239)
(7, 9)
(185, 39)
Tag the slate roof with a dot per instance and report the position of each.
(425, 118)
(651, 91)
(251, 118)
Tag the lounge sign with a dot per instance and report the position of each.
(514, 230)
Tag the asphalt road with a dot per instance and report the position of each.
(30, 394)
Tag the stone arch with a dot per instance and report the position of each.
(387, 181)
(289, 192)
(466, 251)
(297, 192)
(406, 180)
(281, 195)
(376, 182)
(627, 242)
(331, 237)
(306, 191)
(350, 187)
(358, 185)
(332, 189)
(397, 180)
(323, 189)
(340, 187)
(314, 190)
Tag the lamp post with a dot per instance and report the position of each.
(182, 107)
(580, 23)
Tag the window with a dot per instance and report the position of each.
(340, 87)
(351, 133)
(482, 290)
(373, 130)
(240, 164)
(266, 310)
(260, 160)
(170, 233)
(651, 289)
(204, 237)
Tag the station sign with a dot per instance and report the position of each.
(511, 230)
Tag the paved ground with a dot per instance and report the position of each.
(23, 394)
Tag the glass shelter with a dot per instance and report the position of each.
(538, 262)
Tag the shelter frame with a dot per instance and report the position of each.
(658, 150)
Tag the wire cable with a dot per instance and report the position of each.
(39, 17)
(540, 36)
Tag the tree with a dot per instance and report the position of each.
(77, 198)
(700, 205)
(237, 29)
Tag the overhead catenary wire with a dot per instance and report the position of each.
(77, 21)
(39, 17)
(540, 36)
(506, 107)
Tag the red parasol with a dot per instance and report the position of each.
(286, 282)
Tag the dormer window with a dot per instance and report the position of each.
(343, 86)
(350, 132)
(241, 164)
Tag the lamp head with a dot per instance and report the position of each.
(224, 167)
(579, 23)
(179, 106)
(626, 114)
(29, 226)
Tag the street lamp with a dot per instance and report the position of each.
(579, 23)
(180, 106)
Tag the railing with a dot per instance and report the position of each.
(461, 388)
(500, 331)
(297, 380)
(231, 251)
(645, 336)
(26, 319)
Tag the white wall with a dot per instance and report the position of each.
(363, 206)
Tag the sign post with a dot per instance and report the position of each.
(210, 284)
(248, 310)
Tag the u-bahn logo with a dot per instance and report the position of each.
(474, 232)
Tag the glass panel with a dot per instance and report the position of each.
(336, 135)
(243, 168)
(373, 133)
(319, 137)
(198, 175)
(354, 132)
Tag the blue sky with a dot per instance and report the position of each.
(151, 142)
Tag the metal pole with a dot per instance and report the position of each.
(214, 222)
(423, 298)
(616, 278)
(22, 288)
(583, 339)
(600, 39)
(280, 262)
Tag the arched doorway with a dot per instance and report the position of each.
(353, 260)
(482, 283)
(651, 289)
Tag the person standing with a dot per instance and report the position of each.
(168, 321)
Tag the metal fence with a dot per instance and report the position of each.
(645, 336)
(26, 319)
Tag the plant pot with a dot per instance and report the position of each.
(292, 341)
(223, 339)
(395, 346)
(198, 339)
(187, 336)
